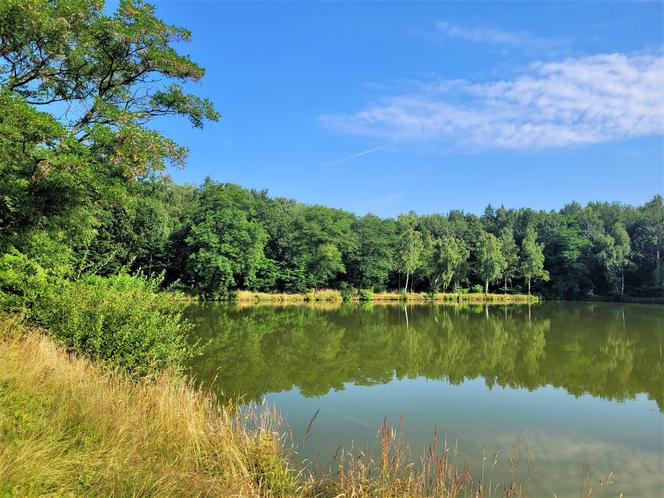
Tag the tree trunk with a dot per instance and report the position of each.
(622, 281)
(659, 280)
(505, 288)
(529, 286)
(486, 287)
(405, 289)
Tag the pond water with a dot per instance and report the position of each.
(575, 382)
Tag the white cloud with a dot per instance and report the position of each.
(573, 102)
(482, 35)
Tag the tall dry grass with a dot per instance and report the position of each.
(391, 470)
(68, 427)
(335, 296)
(322, 295)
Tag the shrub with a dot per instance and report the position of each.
(22, 281)
(366, 295)
(477, 288)
(122, 320)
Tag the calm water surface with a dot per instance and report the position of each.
(569, 379)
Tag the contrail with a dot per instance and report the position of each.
(358, 154)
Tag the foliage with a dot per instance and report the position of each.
(446, 257)
(532, 258)
(121, 320)
(22, 281)
(409, 246)
(510, 253)
(369, 265)
(490, 259)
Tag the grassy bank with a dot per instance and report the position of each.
(331, 295)
(71, 427)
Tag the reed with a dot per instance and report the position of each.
(332, 295)
(322, 295)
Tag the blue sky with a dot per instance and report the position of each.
(428, 106)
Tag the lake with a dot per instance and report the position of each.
(576, 382)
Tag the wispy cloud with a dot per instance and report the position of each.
(482, 35)
(358, 154)
(572, 102)
(501, 38)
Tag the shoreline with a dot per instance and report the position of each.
(331, 296)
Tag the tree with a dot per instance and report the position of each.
(225, 243)
(409, 246)
(443, 259)
(614, 253)
(118, 71)
(369, 264)
(510, 253)
(647, 241)
(490, 260)
(532, 258)
(325, 264)
(77, 87)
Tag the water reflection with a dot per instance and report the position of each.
(605, 350)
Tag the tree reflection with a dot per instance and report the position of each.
(606, 350)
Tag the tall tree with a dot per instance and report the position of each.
(409, 246)
(532, 258)
(510, 253)
(647, 237)
(615, 253)
(369, 264)
(78, 87)
(490, 260)
(443, 259)
(325, 264)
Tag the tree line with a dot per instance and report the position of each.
(215, 238)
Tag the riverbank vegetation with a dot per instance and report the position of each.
(365, 295)
(71, 428)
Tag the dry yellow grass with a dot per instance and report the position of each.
(69, 428)
(323, 295)
(331, 295)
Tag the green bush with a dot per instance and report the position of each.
(22, 281)
(366, 295)
(477, 288)
(122, 320)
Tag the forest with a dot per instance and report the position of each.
(215, 238)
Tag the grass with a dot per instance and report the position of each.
(331, 295)
(71, 427)
(323, 295)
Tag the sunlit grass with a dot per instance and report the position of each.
(335, 296)
(69, 427)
